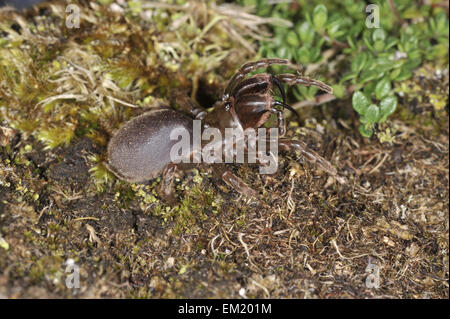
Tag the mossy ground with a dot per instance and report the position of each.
(308, 236)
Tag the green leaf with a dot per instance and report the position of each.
(395, 73)
(297, 94)
(359, 62)
(404, 75)
(367, 41)
(351, 42)
(369, 75)
(387, 107)
(320, 16)
(383, 64)
(441, 24)
(378, 35)
(348, 76)
(378, 45)
(363, 120)
(284, 53)
(292, 39)
(372, 114)
(360, 102)
(306, 33)
(307, 92)
(390, 42)
(339, 91)
(414, 60)
(333, 30)
(365, 130)
(383, 88)
(314, 54)
(438, 51)
(303, 55)
(369, 88)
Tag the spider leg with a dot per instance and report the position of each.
(292, 79)
(233, 181)
(280, 118)
(247, 68)
(166, 190)
(285, 106)
(281, 122)
(189, 106)
(306, 152)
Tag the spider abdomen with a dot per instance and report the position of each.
(140, 149)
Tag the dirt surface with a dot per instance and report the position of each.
(309, 237)
(381, 232)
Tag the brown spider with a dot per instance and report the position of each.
(140, 149)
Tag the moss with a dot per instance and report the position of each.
(56, 136)
(45, 266)
(100, 174)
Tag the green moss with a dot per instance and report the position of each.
(100, 174)
(56, 136)
(48, 266)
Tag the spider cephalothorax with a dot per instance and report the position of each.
(252, 99)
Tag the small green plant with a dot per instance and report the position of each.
(371, 113)
(334, 40)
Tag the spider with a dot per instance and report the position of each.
(140, 149)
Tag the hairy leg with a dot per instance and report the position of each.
(292, 79)
(233, 181)
(247, 68)
(166, 190)
(280, 119)
(305, 151)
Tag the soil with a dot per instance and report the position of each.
(309, 236)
